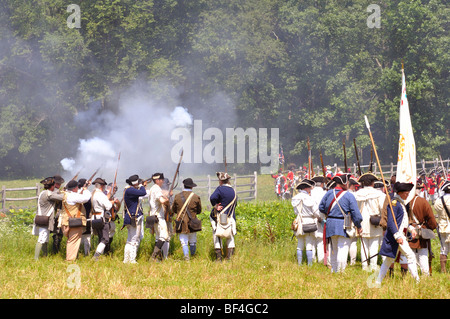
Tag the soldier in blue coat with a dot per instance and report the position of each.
(224, 200)
(395, 238)
(133, 216)
(338, 205)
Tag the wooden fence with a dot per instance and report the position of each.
(390, 169)
(23, 202)
(245, 187)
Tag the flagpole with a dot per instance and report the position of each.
(381, 171)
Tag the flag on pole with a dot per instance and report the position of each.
(406, 162)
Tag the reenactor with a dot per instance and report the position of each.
(44, 222)
(158, 216)
(395, 240)
(186, 206)
(133, 216)
(223, 215)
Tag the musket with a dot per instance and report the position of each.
(323, 167)
(345, 156)
(443, 167)
(371, 161)
(357, 157)
(381, 171)
(309, 160)
(167, 208)
(91, 178)
(113, 191)
(225, 162)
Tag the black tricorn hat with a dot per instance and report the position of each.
(403, 187)
(188, 182)
(305, 183)
(100, 181)
(48, 181)
(72, 184)
(132, 180)
(319, 179)
(341, 179)
(158, 176)
(367, 177)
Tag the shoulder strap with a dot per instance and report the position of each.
(67, 211)
(229, 205)
(445, 207)
(333, 201)
(412, 212)
(186, 202)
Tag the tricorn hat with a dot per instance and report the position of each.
(319, 179)
(48, 182)
(222, 176)
(188, 182)
(305, 183)
(100, 181)
(72, 184)
(132, 180)
(157, 176)
(403, 187)
(367, 177)
(341, 179)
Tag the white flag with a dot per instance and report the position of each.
(406, 162)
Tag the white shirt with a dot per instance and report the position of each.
(100, 202)
(78, 198)
(156, 207)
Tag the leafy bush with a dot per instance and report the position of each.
(270, 220)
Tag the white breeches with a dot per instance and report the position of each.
(339, 253)
(306, 241)
(422, 260)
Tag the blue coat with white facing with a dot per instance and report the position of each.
(335, 219)
(131, 199)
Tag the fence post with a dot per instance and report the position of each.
(235, 181)
(3, 198)
(256, 183)
(209, 186)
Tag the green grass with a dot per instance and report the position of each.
(264, 267)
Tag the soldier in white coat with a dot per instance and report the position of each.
(307, 211)
(442, 206)
(370, 202)
(317, 193)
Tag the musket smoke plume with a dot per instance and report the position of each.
(140, 130)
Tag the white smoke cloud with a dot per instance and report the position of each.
(140, 130)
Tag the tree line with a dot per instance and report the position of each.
(312, 68)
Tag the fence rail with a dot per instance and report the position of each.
(32, 200)
(204, 189)
(391, 168)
